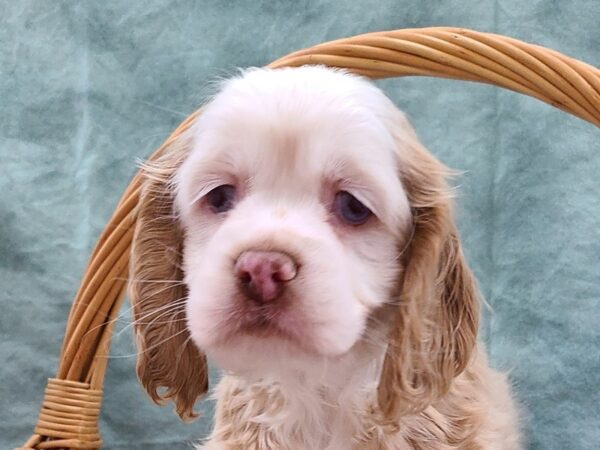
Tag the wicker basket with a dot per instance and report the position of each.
(71, 405)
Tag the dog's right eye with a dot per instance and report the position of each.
(221, 198)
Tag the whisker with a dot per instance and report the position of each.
(181, 350)
(132, 355)
(178, 302)
(175, 310)
(173, 282)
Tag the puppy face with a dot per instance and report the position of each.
(293, 215)
(297, 216)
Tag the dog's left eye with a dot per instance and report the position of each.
(350, 210)
(221, 198)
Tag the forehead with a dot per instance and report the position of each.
(296, 134)
(298, 123)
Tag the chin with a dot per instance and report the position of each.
(259, 357)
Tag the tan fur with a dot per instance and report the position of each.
(435, 390)
(166, 357)
(438, 311)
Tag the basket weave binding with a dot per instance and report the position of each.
(71, 406)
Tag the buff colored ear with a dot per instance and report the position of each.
(169, 366)
(437, 317)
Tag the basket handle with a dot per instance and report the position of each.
(457, 53)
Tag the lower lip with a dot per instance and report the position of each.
(260, 323)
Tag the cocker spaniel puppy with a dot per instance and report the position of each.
(300, 236)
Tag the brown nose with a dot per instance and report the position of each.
(263, 274)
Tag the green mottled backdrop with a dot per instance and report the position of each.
(87, 88)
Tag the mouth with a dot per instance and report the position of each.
(265, 321)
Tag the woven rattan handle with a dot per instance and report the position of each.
(462, 54)
(69, 417)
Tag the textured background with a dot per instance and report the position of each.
(88, 87)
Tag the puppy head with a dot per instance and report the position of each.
(296, 209)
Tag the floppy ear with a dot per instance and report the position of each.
(437, 316)
(169, 366)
